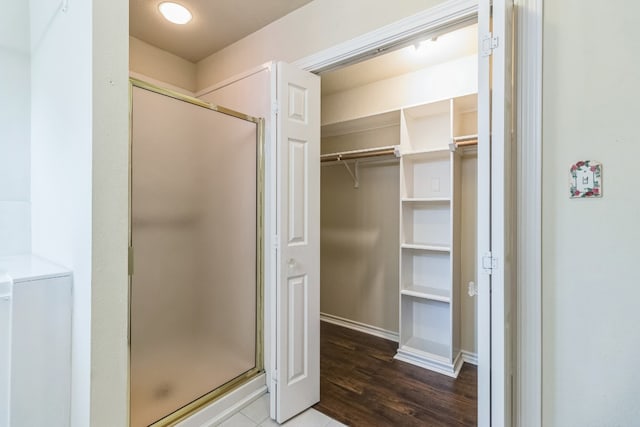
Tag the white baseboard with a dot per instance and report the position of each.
(228, 405)
(469, 357)
(360, 327)
(426, 361)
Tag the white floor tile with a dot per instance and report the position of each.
(269, 423)
(238, 420)
(258, 411)
(309, 418)
(334, 423)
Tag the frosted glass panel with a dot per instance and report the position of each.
(193, 302)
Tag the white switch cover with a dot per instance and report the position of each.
(585, 179)
(435, 185)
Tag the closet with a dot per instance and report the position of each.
(398, 203)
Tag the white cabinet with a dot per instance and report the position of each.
(430, 189)
(6, 285)
(35, 342)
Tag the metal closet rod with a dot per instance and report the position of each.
(360, 154)
(465, 141)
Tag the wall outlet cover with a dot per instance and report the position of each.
(585, 179)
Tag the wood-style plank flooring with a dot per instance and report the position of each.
(362, 385)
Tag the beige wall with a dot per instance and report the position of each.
(110, 215)
(435, 83)
(359, 234)
(591, 338)
(310, 29)
(160, 65)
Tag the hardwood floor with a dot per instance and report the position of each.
(362, 385)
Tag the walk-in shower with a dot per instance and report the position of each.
(196, 238)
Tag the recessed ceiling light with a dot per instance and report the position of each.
(174, 12)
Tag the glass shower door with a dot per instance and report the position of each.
(195, 291)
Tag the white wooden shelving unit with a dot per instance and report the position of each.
(430, 188)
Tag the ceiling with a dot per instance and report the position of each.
(219, 23)
(447, 47)
(215, 25)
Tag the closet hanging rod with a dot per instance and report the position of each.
(465, 138)
(467, 143)
(391, 150)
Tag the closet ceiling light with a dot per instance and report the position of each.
(174, 12)
(421, 48)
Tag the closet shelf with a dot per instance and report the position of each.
(432, 349)
(425, 292)
(426, 200)
(429, 248)
(432, 152)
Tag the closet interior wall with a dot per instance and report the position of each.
(359, 226)
(359, 233)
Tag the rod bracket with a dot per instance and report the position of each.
(354, 174)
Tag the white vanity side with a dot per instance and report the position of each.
(35, 344)
(6, 286)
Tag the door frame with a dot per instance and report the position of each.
(528, 21)
(450, 15)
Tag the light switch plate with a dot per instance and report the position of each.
(585, 179)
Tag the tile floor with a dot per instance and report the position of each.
(257, 415)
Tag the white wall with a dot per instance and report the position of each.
(15, 227)
(591, 338)
(78, 187)
(61, 166)
(160, 65)
(307, 30)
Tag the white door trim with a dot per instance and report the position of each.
(529, 167)
(528, 57)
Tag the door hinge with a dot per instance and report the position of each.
(275, 107)
(130, 258)
(489, 43)
(489, 262)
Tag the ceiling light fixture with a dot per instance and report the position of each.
(174, 12)
(422, 47)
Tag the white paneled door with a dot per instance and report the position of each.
(298, 279)
(496, 215)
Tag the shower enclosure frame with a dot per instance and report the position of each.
(185, 411)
